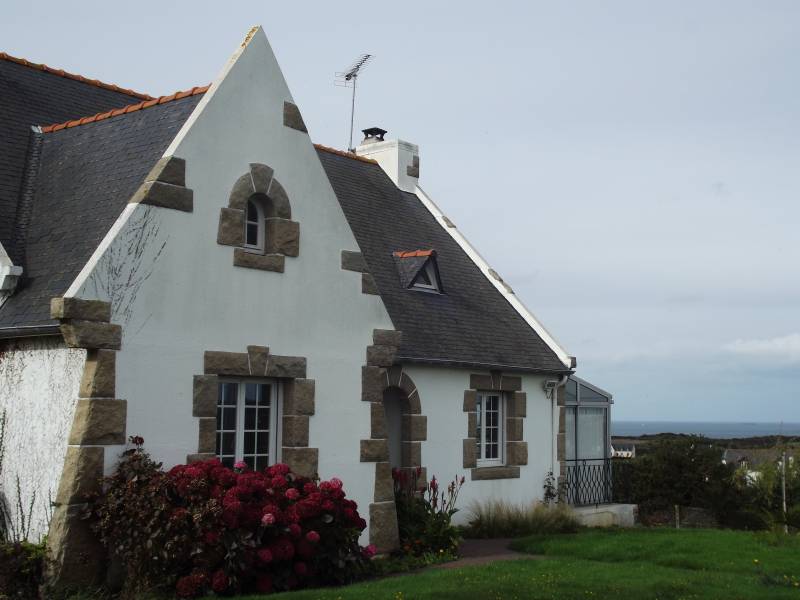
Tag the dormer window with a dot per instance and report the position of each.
(418, 270)
(255, 225)
(426, 279)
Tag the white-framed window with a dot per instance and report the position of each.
(427, 279)
(248, 418)
(491, 433)
(255, 225)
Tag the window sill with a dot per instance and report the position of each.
(266, 262)
(485, 473)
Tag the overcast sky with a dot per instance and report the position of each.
(631, 168)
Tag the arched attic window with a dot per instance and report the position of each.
(258, 222)
(255, 224)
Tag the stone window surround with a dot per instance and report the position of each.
(379, 374)
(281, 233)
(516, 450)
(297, 409)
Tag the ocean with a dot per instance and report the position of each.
(714, 429)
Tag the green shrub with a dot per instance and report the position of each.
(498, 518)
(21, 565)
(424, 513)
(793, 516)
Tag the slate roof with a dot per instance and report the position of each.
(471, 324)
(85, 178)
(32, 94)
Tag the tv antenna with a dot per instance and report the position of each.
(348, 78)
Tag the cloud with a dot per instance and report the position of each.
(784, 349)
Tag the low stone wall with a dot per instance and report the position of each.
(608, 515)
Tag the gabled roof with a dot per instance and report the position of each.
(471, 324)
(86, 175)
(34, 94)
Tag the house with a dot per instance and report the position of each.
(192, 269)
(623, 449)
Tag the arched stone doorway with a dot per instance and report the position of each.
(397, 431)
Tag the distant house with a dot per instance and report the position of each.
(623, 450)
(752, 459)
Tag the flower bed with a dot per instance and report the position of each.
(204, 527)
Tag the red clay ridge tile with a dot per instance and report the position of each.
(346, 154)
(411, 253)
(126, 109)
(65, 74)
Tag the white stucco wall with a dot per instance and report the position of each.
(39, 381)
(191, 298)
(442, 396)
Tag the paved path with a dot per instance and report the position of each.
(481, 552)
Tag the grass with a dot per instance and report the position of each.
(609, 565)
(500, 519)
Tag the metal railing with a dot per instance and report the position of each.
(597, 481)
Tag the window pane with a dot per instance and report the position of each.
(251, 461)
(249, 442)
(252, 234)
(591, 432)
(589, 395)
(263, 419)
(251, 393)
(570, 434)
(265, 394)
(228, 393)
(571, 390)
(228, 443)
(249, 417)
(228, 462)
(262, 462)
(479, 415)
(252, 211)
(262, 442)
(229, 418)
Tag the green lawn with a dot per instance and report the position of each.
(638, 564)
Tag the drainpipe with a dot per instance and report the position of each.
(553, 433)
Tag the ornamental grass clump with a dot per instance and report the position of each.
(499, 519)
(204, 528)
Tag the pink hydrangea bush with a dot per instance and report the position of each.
(204, 527)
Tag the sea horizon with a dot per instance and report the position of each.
(712, 429)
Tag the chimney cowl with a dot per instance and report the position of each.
(372, 135)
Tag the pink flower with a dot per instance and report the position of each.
(312, 536)
(337, 483)
(240, 465)
(370, 551)
(292, 494)
(295, 531)
(265, 555)
(268, 519)
(219, 583)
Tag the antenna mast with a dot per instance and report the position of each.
(348, 78)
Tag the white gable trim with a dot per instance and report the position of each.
(481, 263)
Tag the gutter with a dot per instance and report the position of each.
(490, 366)
(7, 333)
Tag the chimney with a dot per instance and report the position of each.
(399, 159)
